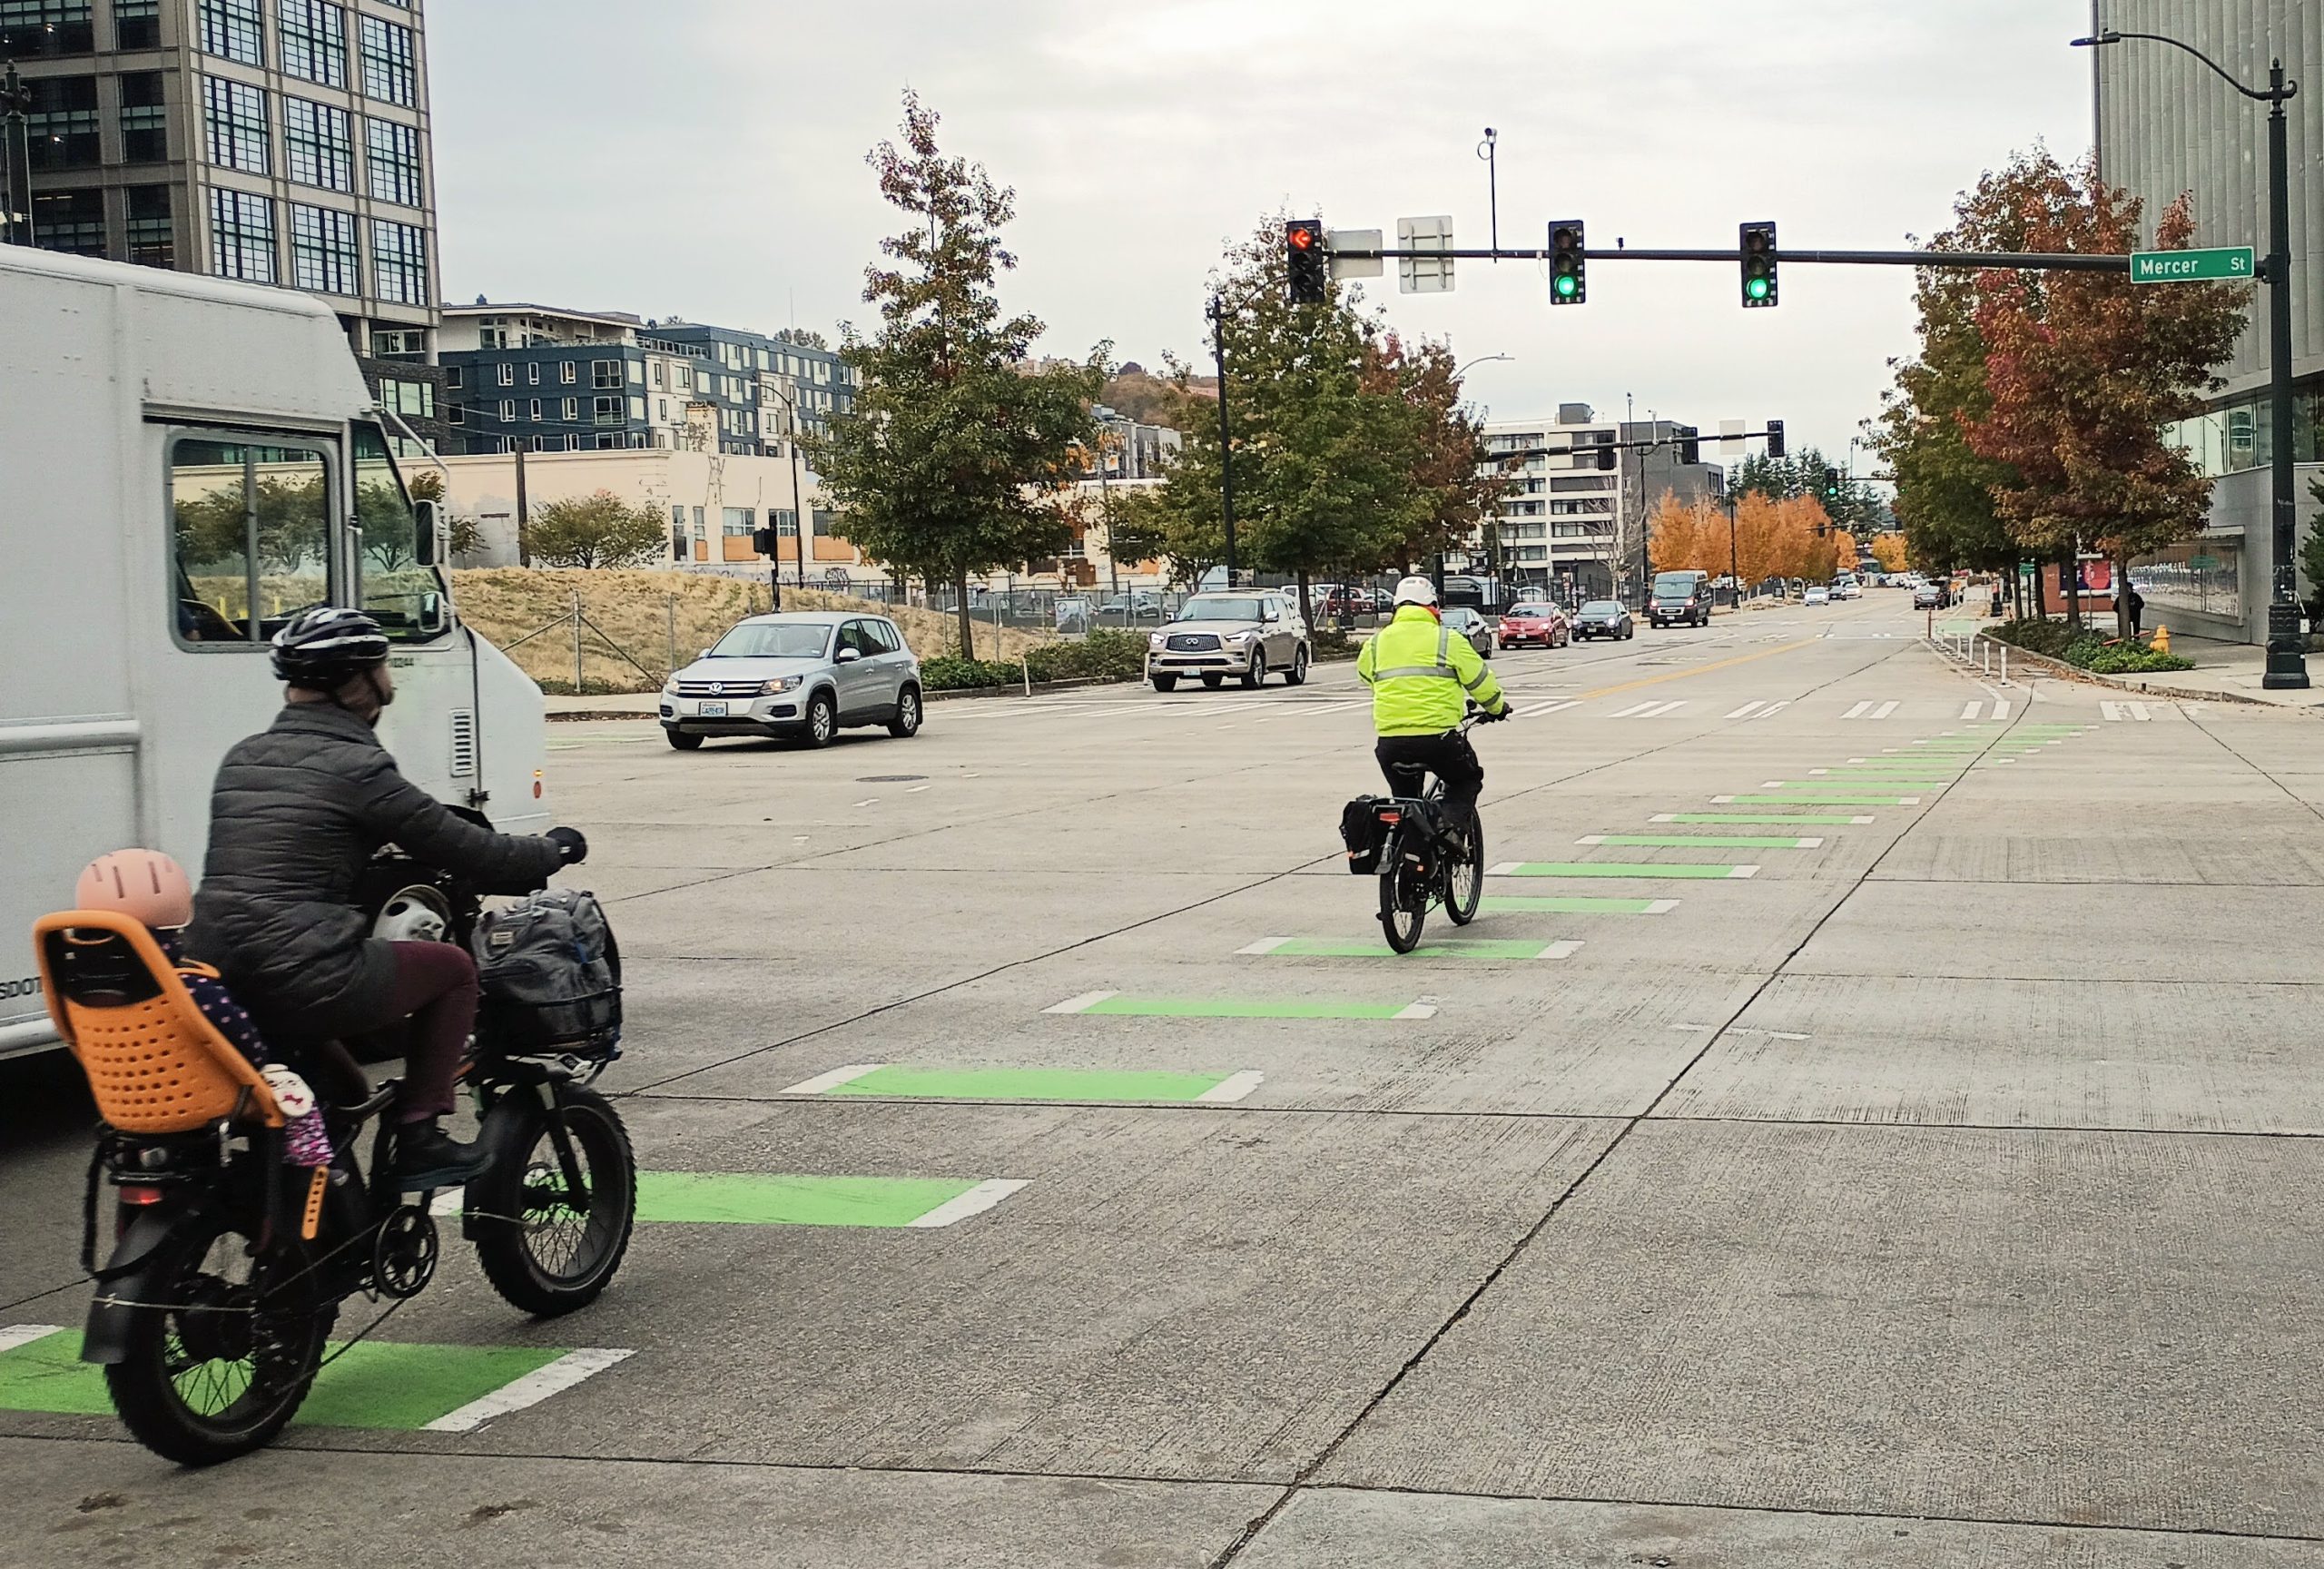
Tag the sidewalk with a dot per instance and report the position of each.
(2225, 670)
(610, 705)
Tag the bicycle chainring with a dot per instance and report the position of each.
(404, 1252)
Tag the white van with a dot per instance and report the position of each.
(184, 463)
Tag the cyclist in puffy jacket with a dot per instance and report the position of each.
(296, 814)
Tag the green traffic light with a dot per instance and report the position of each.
(1756, 288)
(1565, 284)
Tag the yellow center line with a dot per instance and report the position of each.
(1697, 670)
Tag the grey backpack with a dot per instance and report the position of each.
(551, 975)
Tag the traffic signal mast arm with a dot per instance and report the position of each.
(1643, 443)
(2021, 260)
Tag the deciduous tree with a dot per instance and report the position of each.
(595, 530)
(953, 458)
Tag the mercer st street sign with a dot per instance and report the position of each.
(2234, 264)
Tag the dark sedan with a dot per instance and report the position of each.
(1603, 618)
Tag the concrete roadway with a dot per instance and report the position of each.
(1926, 1178)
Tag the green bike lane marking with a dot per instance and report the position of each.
(1673, 870)
(1575, 904)
(908, 1082)
(1710, 841)
(1114, 1005)
(1818, 801)
(789, 1198)
(1767, 819)
(1808, 789)
(1442, 948)
(395, 1385)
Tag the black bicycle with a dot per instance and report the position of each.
(231, 1264)
(1424, 860)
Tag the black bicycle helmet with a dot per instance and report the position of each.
(323, 648)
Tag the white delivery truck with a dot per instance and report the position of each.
(185, 463)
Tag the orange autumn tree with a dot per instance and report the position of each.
(1687, 538)
(1888, 549)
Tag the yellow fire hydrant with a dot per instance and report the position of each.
(2162, 644)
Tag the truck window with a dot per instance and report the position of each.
(250, 531)
(405, 598)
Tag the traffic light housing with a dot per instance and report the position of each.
(1775, 437)
(1691, 450)
(1758, 249)
(1831, 491)
(1309, 264)
(1606, 457)
(763, 541)
(1569, 273)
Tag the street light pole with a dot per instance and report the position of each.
(1217, 313)
(2287, 660)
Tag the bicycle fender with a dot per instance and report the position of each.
(127, 1279)
(505, 1134)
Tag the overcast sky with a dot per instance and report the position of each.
(705, 159)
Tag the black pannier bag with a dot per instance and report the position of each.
(1362, 833)
(551, 975)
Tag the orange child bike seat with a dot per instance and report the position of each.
(154, 1062)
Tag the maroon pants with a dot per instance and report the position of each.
(435, 994)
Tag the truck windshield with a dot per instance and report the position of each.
(405, 598)
(1674, 585)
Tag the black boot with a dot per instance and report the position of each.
(427, 1157)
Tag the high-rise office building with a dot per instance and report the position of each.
(280, 141)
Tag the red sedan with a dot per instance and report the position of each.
(1541, 624)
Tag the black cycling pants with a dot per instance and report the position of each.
(1405, 760)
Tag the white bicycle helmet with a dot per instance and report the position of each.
(1416, 591)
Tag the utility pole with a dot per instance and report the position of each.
(15, 161)
(524, 517)
(1217, 313)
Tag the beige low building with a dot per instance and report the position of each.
(712, 502)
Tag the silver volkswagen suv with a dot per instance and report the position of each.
(807, 674)
(1247, 633)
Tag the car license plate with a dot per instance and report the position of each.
(714, 710)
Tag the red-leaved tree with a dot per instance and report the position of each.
(2084, 370)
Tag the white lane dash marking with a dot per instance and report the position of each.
(975, 1201)
(1233, 1087)
(1416, 1010)
(1263, 945)
(1660, 906)
(1563, 948)
(869, 801)
(1742, 871)
(1080, 1005)
(14, 1335)
(1503, 868)
(1592, 839)
(1694, 1026)
(1813, 842)
(915, 790)
(530, 1390)
(833, 1079)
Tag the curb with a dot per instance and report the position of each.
(2060, 669)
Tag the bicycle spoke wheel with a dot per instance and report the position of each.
(1404, 900)
(1464, 881)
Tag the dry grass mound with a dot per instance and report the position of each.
(659, 620)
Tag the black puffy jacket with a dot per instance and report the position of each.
(296, 814)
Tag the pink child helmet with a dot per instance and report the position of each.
(142, 883)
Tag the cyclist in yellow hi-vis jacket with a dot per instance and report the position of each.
(1423, 677)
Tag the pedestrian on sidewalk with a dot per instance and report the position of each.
(2136, 603)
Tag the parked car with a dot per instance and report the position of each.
(1603, 618)
(1535, 621)
(804, 675)
(1819, 595)
(1467, 621)
(1930, 596)
(1247, 633)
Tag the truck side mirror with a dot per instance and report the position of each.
(430, 537)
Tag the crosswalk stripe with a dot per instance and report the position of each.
(2133, 711)
(1746, 710)
(1651, 710)
(1559, 707)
